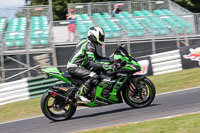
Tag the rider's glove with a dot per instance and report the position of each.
(109, 67)
(113, 60)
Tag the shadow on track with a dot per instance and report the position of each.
(107, 112)
(110, 112)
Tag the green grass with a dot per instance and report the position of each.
(177, 80)
(20, 110)
(164, 83)
(182, 124)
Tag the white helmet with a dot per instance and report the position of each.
(96, 35)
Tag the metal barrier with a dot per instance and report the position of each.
(26, 11)
(25, 89)
(100, 7)
(137, 6)
(81, 8)
(170, 62)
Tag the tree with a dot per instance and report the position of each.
(192, 5)
(59, 7)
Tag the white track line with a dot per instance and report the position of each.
(136, 122)
(168, 117)
(165, 93)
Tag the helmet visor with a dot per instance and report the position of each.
(101, 37)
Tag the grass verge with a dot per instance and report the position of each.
(20, 110)
(164, 83)
(182, 124)
(177, 80)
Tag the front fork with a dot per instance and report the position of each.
(135, 86)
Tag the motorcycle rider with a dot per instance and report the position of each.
(83, 63)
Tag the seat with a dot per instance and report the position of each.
(19, 42)
(34, 41)
(44, 41)
(72, 79)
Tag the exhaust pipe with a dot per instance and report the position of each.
(55, 94)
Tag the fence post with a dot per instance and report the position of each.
(153, 45)
(50, 10)
(89, 9)
(2, 67)
(2, 57)
(150, 5)
(178, 41)
(110, 7)
(103, 50)
(129, 6)
(186, 37)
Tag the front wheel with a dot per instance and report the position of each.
(140, 97)
(56, 109)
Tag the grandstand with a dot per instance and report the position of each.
(138, 19)
(137, 24)
(29, 28)
(145, 27)
(22, 37)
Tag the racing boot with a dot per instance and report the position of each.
(83, 91)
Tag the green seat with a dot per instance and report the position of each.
(140, 33)
(116, 34)
(44, 35)
(19, 37)
(19, 42)
(108, 35)
(39, 25)
(85, 16)
(164, 31)
(105, 13)
(34, 41)
(138, 13)
(44, 41)
(9, 43)
(83, 36)
(34, 35)
(131, 34)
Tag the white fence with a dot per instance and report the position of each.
(14, 91)
(166, 62)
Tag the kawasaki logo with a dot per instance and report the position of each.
(193, 55)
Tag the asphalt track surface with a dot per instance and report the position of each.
(164, 105)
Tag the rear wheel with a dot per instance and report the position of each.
(141, 97)
(56, 109)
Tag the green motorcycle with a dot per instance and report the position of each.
(60, 101)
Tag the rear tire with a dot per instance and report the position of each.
(55, 115)
(131, 100)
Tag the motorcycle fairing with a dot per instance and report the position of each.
(55, 72)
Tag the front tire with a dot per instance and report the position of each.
(51, 111)
(133, 100)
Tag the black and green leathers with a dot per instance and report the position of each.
(85, 55)
(83, 64)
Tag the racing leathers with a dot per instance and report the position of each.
(82, 65)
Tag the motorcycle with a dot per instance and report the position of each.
(60, 101)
